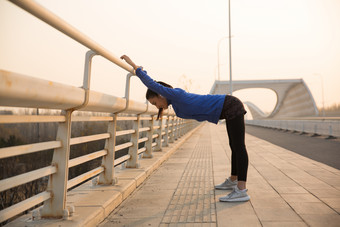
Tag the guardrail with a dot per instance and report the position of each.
(326, 127)
(22, 91)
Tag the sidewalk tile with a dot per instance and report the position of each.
(293, 198)
(293, 190)
(284, 224)
(276, 214)
(311, 208)
(322, 220)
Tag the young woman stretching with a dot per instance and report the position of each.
(211, 108)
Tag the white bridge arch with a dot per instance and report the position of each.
(294, 98)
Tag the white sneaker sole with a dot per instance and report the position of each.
(241, 199)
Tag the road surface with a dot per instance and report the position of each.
(318, 148)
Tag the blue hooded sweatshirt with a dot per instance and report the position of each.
(187, 105)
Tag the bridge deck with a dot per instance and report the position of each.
(285, 188)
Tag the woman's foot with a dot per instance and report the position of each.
(236, 195)
(227, 185)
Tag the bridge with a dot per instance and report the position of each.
(293, 97)
(165, 176)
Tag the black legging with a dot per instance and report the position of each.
(239, 155)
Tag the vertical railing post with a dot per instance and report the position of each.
(159, 133)
(181, 127)
(133, 151)
(172, 137)
(185, 126)
(148, 144)
(107, 177)
(57, 184)
(176, 128)
(166, 135)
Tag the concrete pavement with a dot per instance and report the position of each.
(286, 188)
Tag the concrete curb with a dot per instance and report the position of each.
(95, 202)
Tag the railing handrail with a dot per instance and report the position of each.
(61, 25)
(326, 127)
(47, 94)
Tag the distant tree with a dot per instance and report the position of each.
(333, 110)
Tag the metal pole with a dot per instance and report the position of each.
(230, 72)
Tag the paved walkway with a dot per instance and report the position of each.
(286, 189)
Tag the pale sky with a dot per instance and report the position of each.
(272, 39)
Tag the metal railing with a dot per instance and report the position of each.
(22, 91)
(325, 127)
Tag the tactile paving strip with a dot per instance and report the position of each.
(193, 200)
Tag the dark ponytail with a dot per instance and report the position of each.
(150, 94)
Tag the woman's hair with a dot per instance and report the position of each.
(151, 94)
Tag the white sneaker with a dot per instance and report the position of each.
(227, 184)
(236, 195)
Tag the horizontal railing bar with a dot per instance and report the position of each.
(11, 119)
(163, 133)
(122, 159)
(144, 129)
(29, 148)
(26, 177)
(126, 118)
(156, 127)
(145, 118)
(122, 146)
(91, 138)
(141, 140)
(125, 132)
(61, 25)
(91, 118)
(141, 150)
(154, 136)
(86, 158)
(154, 144)
(81, 178)
(20, 207)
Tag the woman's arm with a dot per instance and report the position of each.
(169, 93)
(166, 92)
(130, 62)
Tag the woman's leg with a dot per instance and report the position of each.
(233, 176)
(236, 133)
